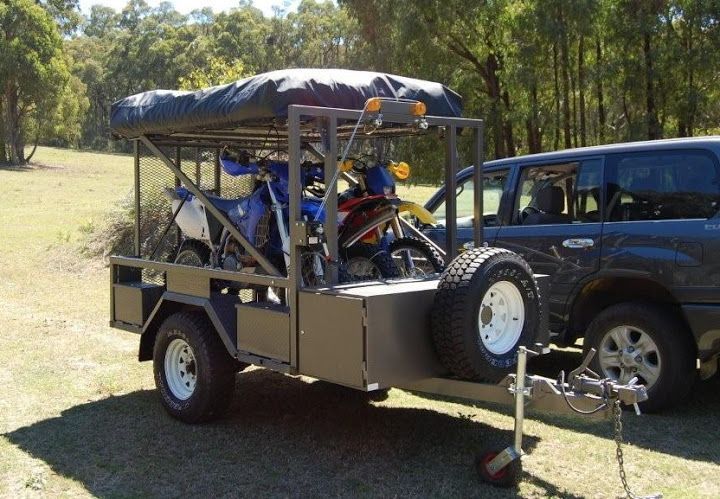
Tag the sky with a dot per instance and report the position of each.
(185, 6)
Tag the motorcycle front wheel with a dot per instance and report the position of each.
(416, 258)
(193, 254)
(368, 262)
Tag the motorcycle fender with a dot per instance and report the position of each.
(192, 219)
(418, 211)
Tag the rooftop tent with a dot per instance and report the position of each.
(262, 99)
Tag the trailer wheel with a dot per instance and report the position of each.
(509, 476)
(193, 253)
(415, 258)
(194, 374)
(486, 306)
(366, 262)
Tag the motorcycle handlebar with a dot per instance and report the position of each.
(314, 170)
(236, 169)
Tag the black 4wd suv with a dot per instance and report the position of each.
(630, 234)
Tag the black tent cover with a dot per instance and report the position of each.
(261, 98)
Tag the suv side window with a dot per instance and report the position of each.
(493, 187)
(562, 193)
(663, 185)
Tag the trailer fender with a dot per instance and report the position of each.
(220, 310)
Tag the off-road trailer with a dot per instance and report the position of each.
(369, 335)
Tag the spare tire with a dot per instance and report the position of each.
(486, 306)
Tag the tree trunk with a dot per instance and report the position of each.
(682, 128)
(13, 125)
(508, 126)
(32, 153)
(692, 108)
(534, 136)
(691, 97)
(601, 104)
(496, 127)
(556, 141)
(626, 113)
(650, 110)
(581, 88)
(492, 83)
(564, 63)
(3, 152)
(573, 112)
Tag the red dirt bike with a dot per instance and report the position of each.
(374, 211)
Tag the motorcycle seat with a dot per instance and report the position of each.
(224, 204)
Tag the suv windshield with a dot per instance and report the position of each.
(493, 186)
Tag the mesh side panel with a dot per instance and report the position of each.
(155, 207)
(235, 187)
(246, 295)
(153, 277)
(201, 167)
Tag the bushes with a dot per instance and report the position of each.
(115, 233)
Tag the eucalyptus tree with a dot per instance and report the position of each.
(33, 69)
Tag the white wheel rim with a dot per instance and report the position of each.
(501, 317)
(626, 352)
(180, 369)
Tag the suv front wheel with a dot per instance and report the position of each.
(644, 341)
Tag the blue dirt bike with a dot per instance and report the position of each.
(262, 219)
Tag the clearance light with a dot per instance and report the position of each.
(418, 109)
(373, 105)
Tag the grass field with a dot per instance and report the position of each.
(79, 417)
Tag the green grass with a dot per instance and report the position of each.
(79, 416)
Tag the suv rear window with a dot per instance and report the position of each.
(662, 185)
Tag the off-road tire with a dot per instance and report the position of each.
(215, 368)
(675, 348)
(373, 253)
(455, 312)
(434, 262)
(193, 247)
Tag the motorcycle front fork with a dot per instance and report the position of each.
(405, 255)
(318, 268)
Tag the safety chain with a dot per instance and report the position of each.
(617, 416)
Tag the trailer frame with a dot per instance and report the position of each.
(379, 346)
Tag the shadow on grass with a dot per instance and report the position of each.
(29, 167)
(15, 168)
(283, 437)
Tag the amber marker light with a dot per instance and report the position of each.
(418, 109)
(373, 105)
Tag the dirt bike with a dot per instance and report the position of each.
(414, 257)
(262, 219)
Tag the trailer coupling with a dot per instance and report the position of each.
(584, 392)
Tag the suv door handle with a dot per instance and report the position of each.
(578, 243)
